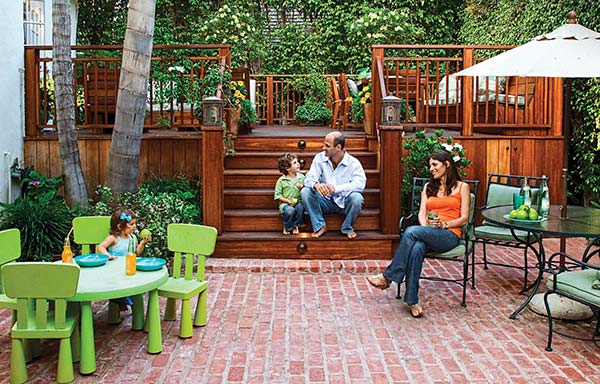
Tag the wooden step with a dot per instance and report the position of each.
(268, 160)
(290, 143)
(262, 198)
(332, 246)
(270, 220)
(266, 178)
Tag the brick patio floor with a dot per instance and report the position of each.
(289, 321)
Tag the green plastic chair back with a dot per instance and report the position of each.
(33, 285)
(190, 240)
(90, 230)
(10, 245)
(10, 250)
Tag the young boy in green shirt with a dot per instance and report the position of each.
(287, 193)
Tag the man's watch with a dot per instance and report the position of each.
(445, 225)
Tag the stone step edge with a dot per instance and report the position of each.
(282, 266)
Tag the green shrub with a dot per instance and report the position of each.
(41, 215)
(313, 112)
(158, 203)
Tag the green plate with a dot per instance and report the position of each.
(525, 221)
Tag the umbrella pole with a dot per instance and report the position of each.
(566, 140)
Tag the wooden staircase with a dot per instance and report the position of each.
(252, 224)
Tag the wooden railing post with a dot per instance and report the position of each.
(556, 106)
(391, 180)
(213, 180)
(467, 94)
(270, 100)
(376, 91)
(32, 93)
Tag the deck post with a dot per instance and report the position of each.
(270, 100)
(213, 167)
(391, 180)
(467, 94)
(376, 91)
(32, 93)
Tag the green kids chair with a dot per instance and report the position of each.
(187, 241)
(88, 232)
(10, 250)
(33, 285)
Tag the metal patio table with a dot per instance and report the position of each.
(580, 222)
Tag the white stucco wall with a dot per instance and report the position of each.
(12, 89)
(11, 94)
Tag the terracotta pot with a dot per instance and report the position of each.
(233, 118)
(368, 120)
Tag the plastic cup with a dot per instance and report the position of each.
(431, 216)
(518, 200)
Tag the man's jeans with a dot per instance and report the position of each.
(316, 206)
(292, 216)
(408, 258)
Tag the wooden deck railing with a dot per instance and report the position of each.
(96, 69)
(434, 98)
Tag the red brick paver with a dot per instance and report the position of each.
(290, 321)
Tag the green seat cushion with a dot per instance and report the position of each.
(497, 233)
(182, 288)
(577, 283)
(458, 251)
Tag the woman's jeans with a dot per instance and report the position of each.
(408, 258)
(292, 216)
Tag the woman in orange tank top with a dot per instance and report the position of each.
(445, 195)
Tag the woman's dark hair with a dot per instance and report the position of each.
(452, 175)
(119, 220)
(285, 161)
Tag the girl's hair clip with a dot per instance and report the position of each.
(125, 217)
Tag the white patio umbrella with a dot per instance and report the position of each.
(570, 51)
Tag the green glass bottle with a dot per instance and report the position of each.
(526, 192)
(544, 198)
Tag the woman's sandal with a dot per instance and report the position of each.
(379, 281)
(415, 310)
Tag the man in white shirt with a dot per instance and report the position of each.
(334, 184)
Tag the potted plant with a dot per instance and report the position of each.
(235, 95)
(313, 109)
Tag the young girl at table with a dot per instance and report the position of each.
(122, 226)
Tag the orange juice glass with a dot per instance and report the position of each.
(130, 264)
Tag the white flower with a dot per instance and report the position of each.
(176, 68)
(447, 147)
(456, 158)
(458, 146)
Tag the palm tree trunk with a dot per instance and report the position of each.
(75, 190)
(123, 163)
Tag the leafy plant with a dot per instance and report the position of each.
(416, 163)
(41, 215)
(159, 202)
(313, 112)
(248, 113)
